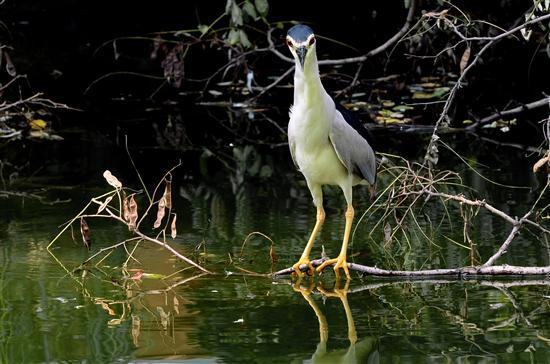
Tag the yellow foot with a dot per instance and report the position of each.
(339, 263)
(301, 262)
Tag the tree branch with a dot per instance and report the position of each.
(460, 80)
(381, 48)
(517, 110)
(504, 247)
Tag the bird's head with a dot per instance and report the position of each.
(301, 42)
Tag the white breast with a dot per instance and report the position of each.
(309, 129)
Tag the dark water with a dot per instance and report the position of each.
(49, 315)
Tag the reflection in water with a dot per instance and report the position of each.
(225, 318)
(364, 351)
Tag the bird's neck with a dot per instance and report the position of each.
(307, 82)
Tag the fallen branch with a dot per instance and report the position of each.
(462, 272)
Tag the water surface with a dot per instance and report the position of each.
(49, 315)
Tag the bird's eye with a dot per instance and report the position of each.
(311, 41)
(289, 43)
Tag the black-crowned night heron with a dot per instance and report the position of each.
(327, 146)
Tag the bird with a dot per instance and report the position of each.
(327, 144)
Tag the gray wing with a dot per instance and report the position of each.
(353, 149)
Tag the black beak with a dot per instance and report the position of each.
(301, 52)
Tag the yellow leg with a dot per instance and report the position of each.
(342, 294)
(341, 261)
(304, 259)
(306, 293)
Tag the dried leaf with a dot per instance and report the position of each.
(273, 255)
(464, 60)
(164, 317)
(10, 68)
(137, 275)
(176, 305)
(173, 65)
(85, 232)
(106, 307)
(387, 234)
(112, 180)
(157, 45)
(173, 229)
(132, 212)
(168, 194)
(540, 163)
(125, 210)
(526, 34)
(160, 212)
(136, 328)
(114, 322)
(106, 202)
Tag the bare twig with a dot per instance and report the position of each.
(503, 248)
(459, 83)
(275, 83)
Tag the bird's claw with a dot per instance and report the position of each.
(297, 271)
(339, 263)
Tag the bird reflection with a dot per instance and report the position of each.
(364, 351)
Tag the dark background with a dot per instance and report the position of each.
(64, 35)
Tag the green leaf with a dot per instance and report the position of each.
(244, 39)
(248, 150)
(266, 171)
(250, 10)
(228, 6)
(238, 154)
(262, 6)
(233, 36)
(255, 167)
(203, 29)
(236, 15)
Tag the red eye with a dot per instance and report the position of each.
(289, 43)
(312, 41)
